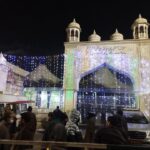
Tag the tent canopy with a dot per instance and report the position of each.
(42, 73)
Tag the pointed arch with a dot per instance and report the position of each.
(72, 33)
(76, 34)
(141, 29)
(105, 87)
(109, 67)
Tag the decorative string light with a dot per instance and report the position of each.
(121, 67)
(39, 84)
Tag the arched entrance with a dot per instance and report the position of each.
(105, 88)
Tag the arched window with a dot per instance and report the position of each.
(136, 32)
(76, 33)
(141, 29)
(72, 32)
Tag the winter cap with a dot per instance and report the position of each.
(74, 115)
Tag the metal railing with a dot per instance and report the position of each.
(53, 144)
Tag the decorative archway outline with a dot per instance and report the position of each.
(108, 66)
(93, 98)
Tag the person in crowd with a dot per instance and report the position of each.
(12, 121)
(103, 117)
(72, 129)
(48, 127)
(57, 112)
(26, 131)
(57, 123)
(111, 134)
(73, 132)
(90, 128)
(33, 120)
(7, 109)
(123, 120)
(4, 129)
(58, 132)
(55, 130)
(65, 118)
(50, 116)
(45, 122)
(13, 126)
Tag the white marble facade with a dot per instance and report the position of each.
(129, 56)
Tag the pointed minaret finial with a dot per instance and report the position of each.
(94, 32)
(116, 30)
(74, 20)
(140, 16)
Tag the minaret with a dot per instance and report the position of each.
(140, 28)
(73, 32)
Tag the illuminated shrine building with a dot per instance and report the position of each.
(91, 76)
(107, 74)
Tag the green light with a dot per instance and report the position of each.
(69, 95)
(70, 71)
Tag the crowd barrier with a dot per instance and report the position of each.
(37, 145)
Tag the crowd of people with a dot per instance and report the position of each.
(63, 127)
(17, 128)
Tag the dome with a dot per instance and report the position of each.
(140, 20)
(94, 37)
(2, 59)
(74, 24)
(116, 36)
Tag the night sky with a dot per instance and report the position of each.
(38, 28)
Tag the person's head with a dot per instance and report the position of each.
(57, 107)
(119, 112)
(8, 117)
(30, 109)
(113, 121)
(25, 117)
(7, 109)
(75, 116)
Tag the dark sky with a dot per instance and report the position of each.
(38, 28)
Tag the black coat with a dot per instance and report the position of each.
(25, 133)
(110, 135)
